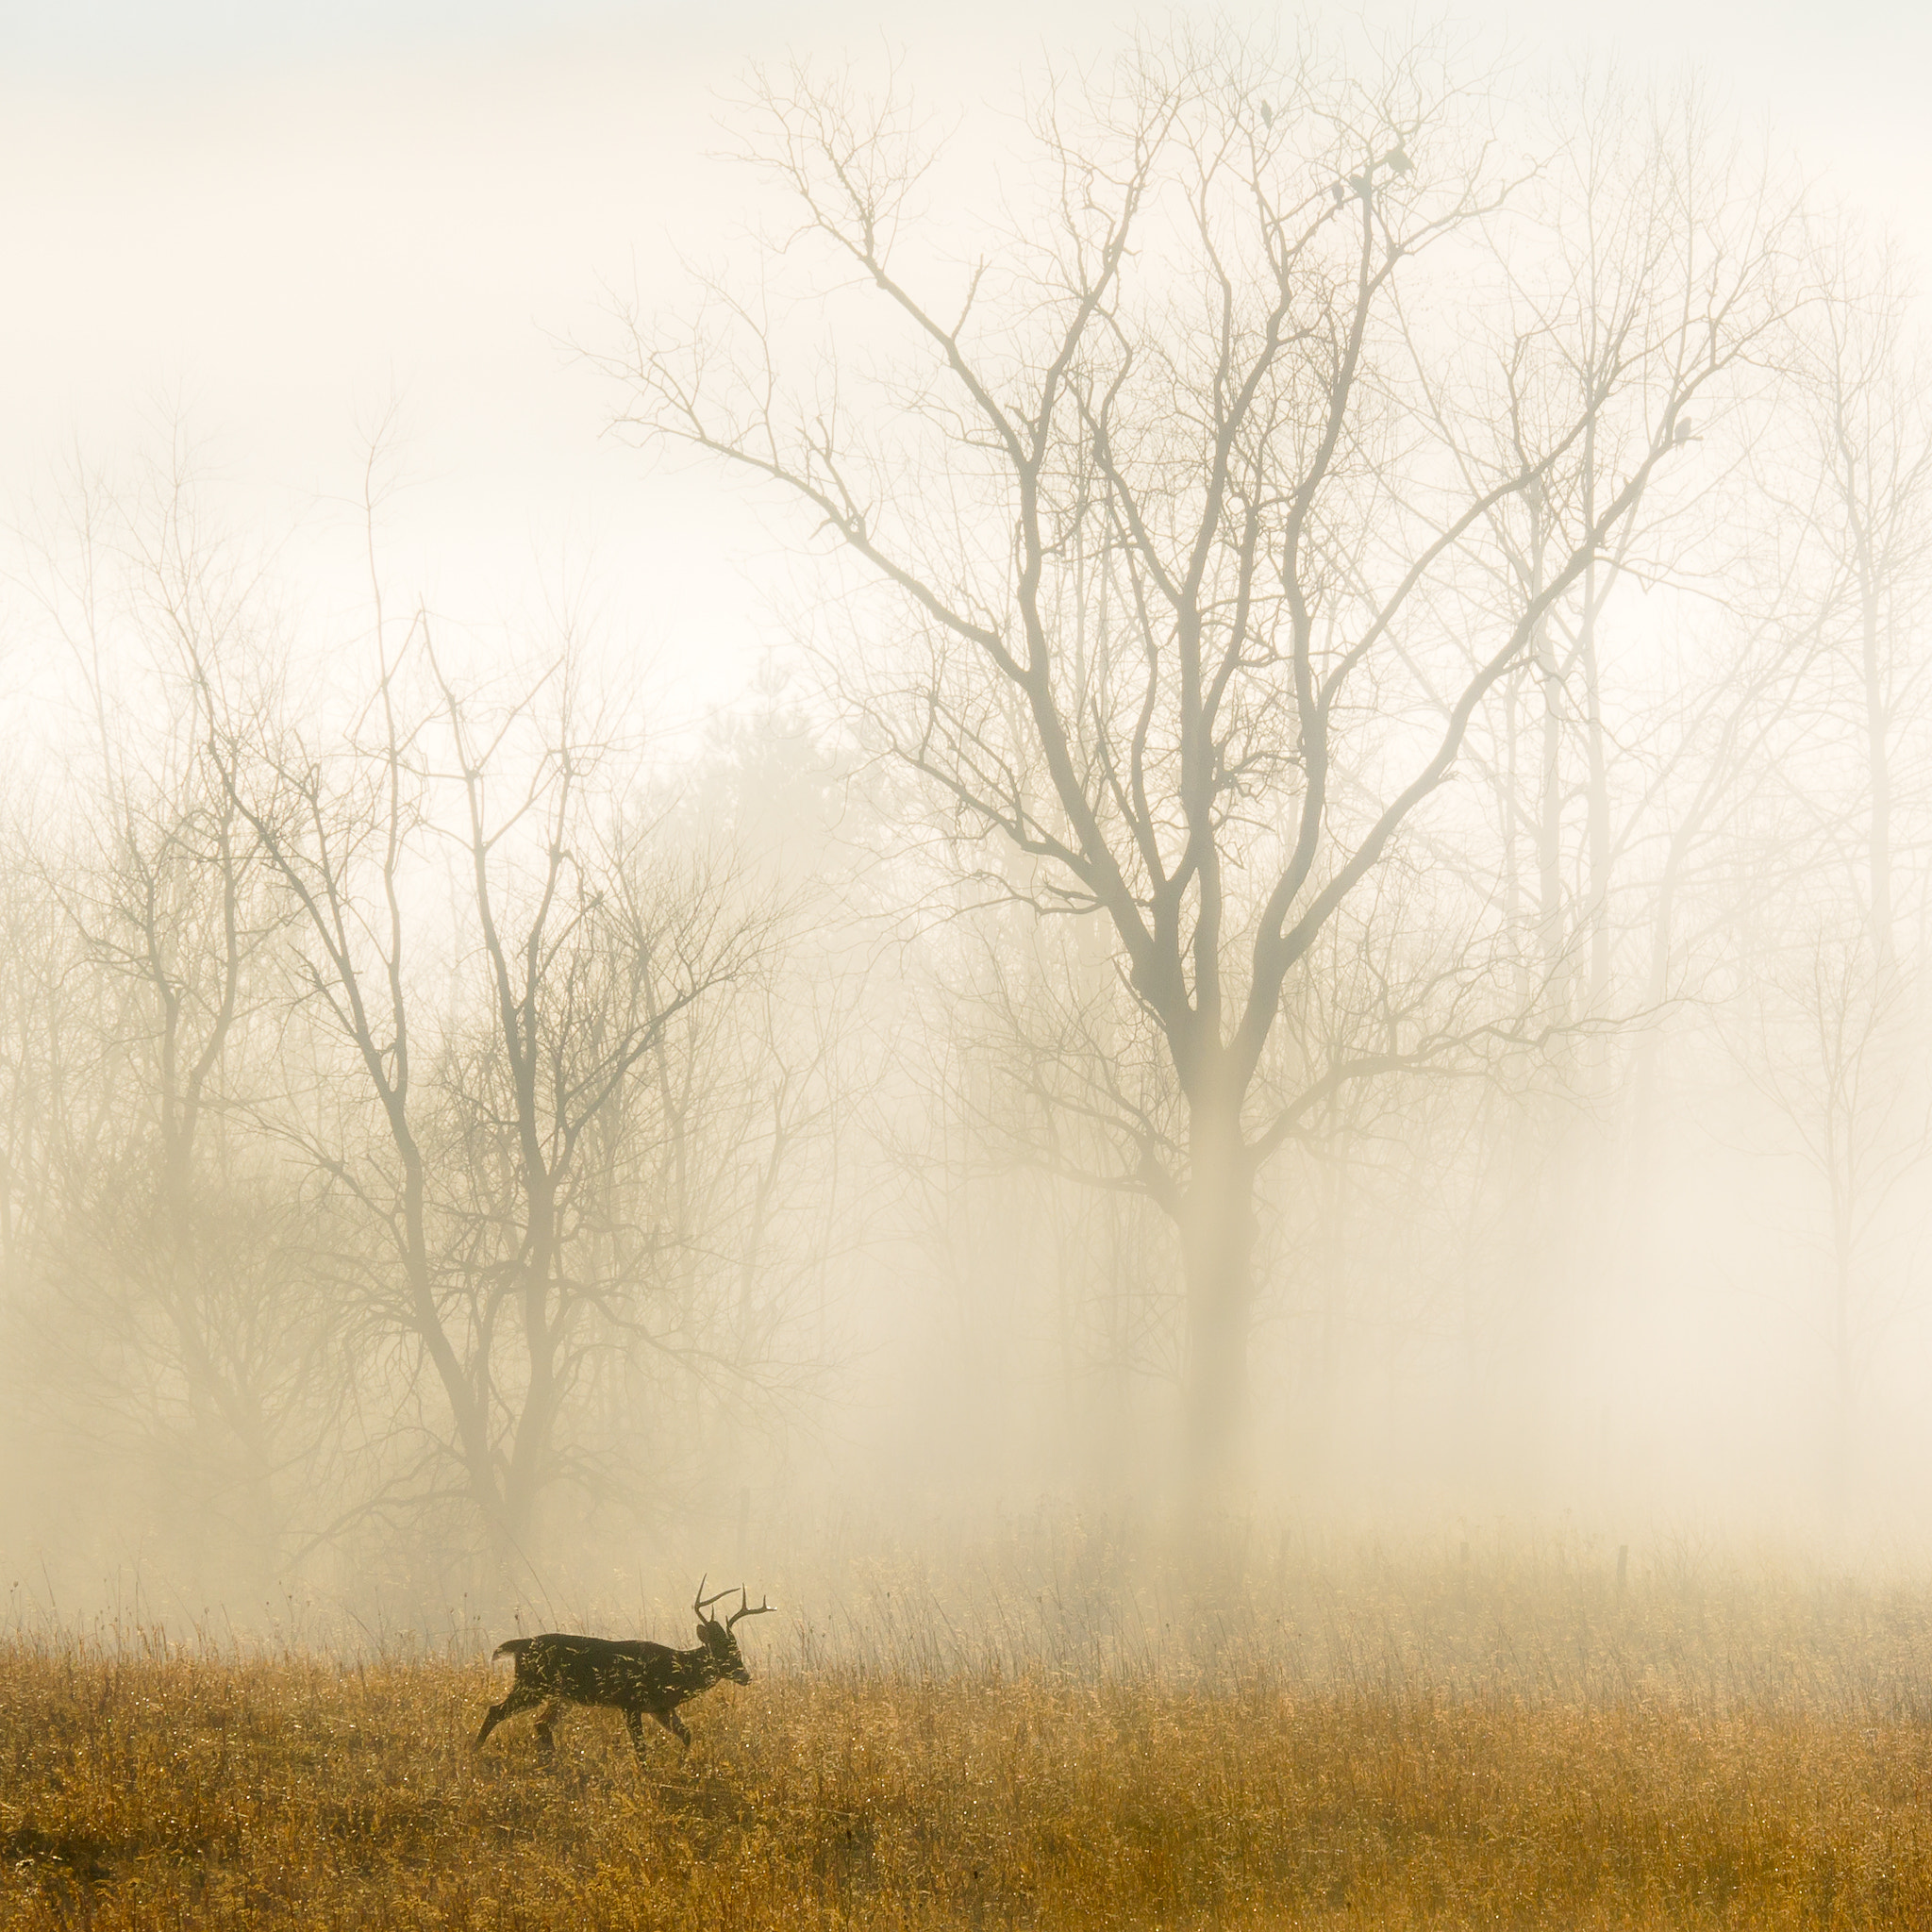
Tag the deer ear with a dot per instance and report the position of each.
(704, 1636)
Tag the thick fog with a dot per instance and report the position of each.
(771, 799)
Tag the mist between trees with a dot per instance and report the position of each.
(1323, 905)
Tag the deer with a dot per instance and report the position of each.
(642, 1679)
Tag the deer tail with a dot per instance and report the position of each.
(512, 1646)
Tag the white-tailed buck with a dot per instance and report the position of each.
(641, 1679)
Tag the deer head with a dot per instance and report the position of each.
(720, 1645)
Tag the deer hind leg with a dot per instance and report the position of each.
(520, 1697)
(546, 1721)
(634, 1724)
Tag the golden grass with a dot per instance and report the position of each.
(170, 1790)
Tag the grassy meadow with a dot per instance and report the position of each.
(1373, 1742)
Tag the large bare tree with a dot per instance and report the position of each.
(497, 1016)
(1178, 492)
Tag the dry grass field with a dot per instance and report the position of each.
(1380, 1748)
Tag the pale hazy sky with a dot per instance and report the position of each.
(270, 219)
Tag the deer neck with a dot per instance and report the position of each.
(698, 1669)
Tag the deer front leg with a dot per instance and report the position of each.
(673, 1724)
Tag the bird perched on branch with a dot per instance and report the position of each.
(1395, 161)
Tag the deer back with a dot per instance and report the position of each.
(626, 1672)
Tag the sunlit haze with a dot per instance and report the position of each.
(245, 247)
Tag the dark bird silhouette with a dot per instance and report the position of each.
(1681, 435)
(1396, 161)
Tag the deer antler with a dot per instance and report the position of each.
(745, 1608)
(702, 1603)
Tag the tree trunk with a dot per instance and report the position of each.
(1878, 770)
(1217, 1246)
(1838, 1454)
